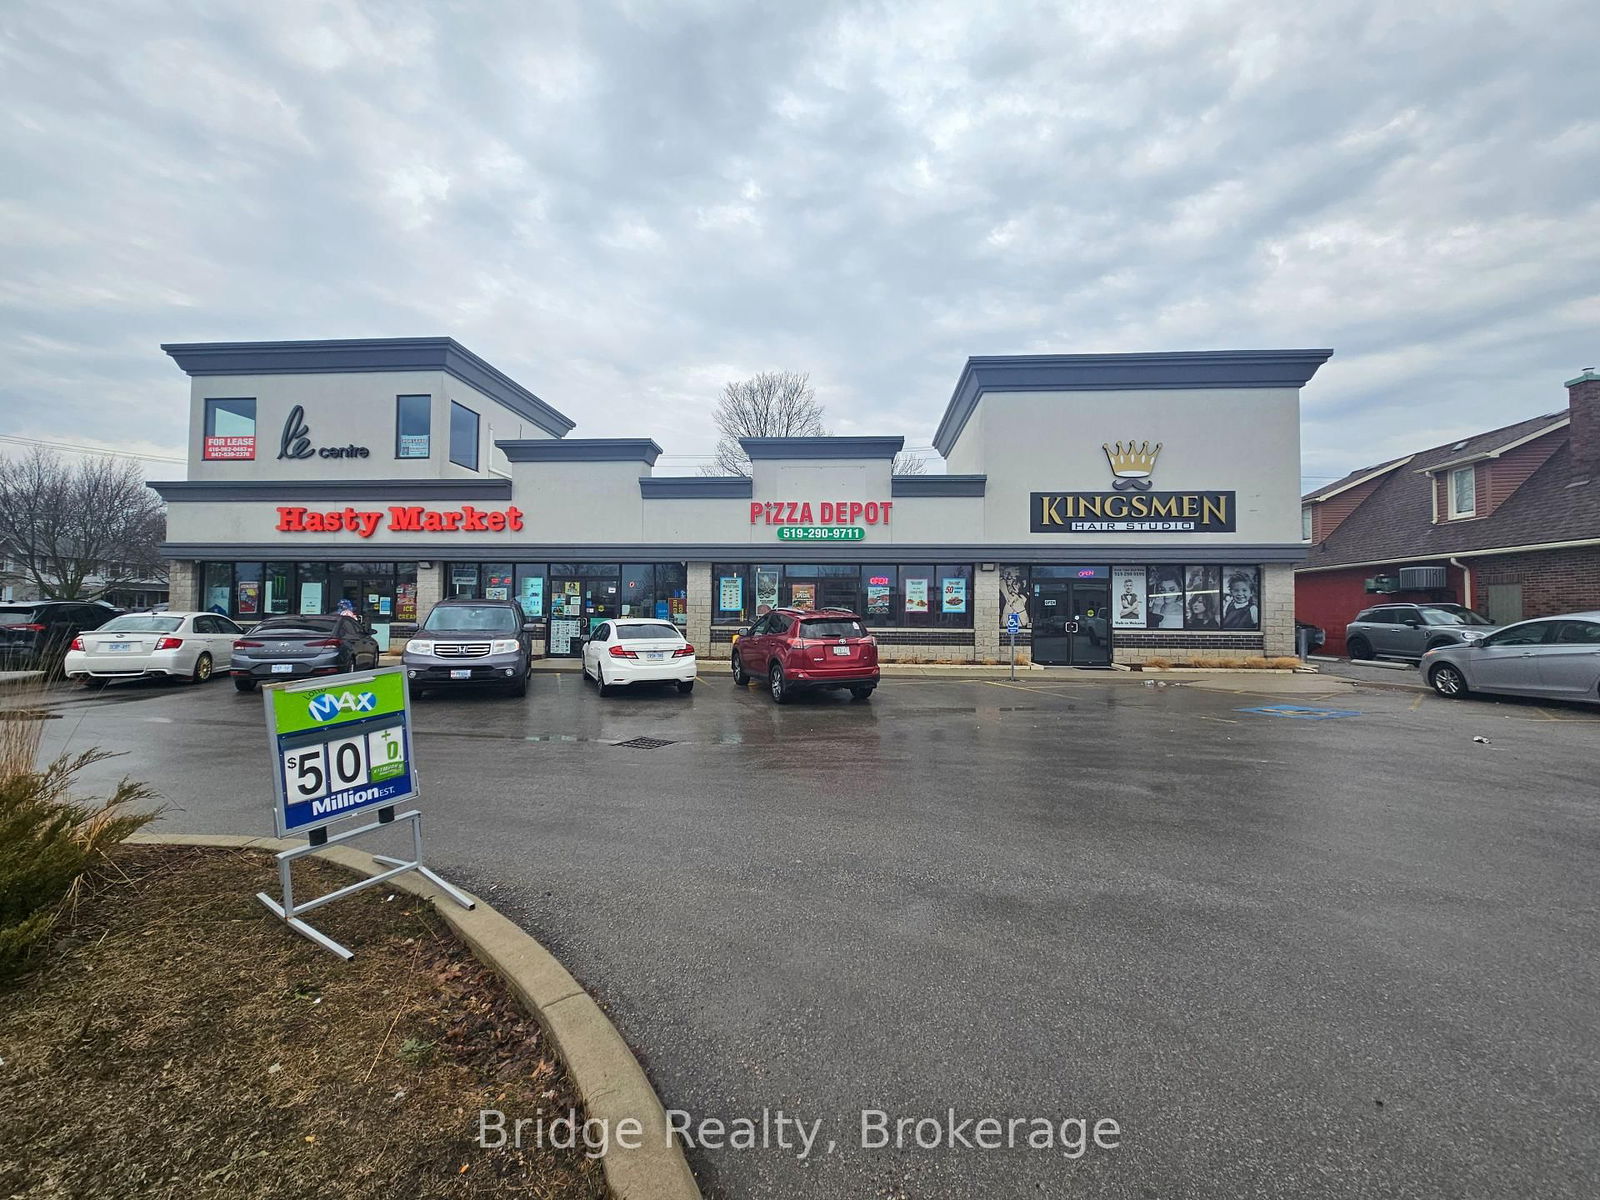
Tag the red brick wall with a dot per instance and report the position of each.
(1584, 401)
(1332, 599)
(1553, 581)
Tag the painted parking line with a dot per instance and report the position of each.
(1299, 712)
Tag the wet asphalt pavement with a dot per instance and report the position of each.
(1350, 957)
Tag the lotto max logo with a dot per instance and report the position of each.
(325, 706)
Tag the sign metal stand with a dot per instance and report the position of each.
(1013, 624)
(341, 746)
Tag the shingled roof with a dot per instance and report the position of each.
(1396, 522)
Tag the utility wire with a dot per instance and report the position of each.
(24, 441)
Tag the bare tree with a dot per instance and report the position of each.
(78, 530)
(771, 404)
(906, 463)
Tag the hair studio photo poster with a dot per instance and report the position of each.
(1127, 597)
(1241, 598)
(1165, 601)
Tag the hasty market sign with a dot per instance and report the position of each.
(401, 518)
(1131, 506)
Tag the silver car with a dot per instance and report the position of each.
(471, 642)
(1554, 657)
(1410, 630)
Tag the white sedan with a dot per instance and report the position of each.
(637, 650)
(185, 645)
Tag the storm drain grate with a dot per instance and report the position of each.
(644, 743)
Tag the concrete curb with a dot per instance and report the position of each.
(608, 1076)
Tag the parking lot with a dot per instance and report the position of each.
(1289, 953)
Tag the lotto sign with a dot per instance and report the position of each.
(340, 745)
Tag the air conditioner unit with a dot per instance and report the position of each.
(1383, 584)
(1422, 579)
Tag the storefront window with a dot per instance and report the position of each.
(218, 594)
(636, 597)
(530, 589)
(462, 580)
(312, 587)
(413, 422)
(498, 581)
(672, 590)
(730, 595)
(463, 436)
(230, 431)
(885, 594)
(879, 586)
(276, 589)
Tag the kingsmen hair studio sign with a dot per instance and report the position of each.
(1130, 506)
(1140, 512)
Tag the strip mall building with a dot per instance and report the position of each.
(1122, 507)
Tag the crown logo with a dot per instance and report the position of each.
(1131, 464)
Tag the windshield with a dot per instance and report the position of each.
(144, 624)
(1453, 614)
(645, 633)
(17, 616)
(471, 618)
(842, 628)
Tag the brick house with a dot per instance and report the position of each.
(1507, 522)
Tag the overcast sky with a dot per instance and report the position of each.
(625, 205)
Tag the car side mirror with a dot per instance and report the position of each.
(528, 627)
(1412, 624)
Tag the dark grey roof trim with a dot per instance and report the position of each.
(938, 485)
(1121, 372)
(582, 450)
(739, 552)
(342, 490)
(822, 447)
(696, 487)
(366, 355)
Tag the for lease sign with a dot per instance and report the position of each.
(400, 518)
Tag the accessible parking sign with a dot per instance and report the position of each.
(339, 746)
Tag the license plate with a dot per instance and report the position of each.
(282, 668)
(117, 646)
(461, 674)
(841, 649)
(658, 655)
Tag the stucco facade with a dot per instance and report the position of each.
(1171, 476)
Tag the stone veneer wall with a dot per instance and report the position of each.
(698, 585)
(183, 586)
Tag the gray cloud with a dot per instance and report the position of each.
(624, 205)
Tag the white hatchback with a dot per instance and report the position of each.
(185, 645)
(637, 650)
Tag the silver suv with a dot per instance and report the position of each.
(484, 642)
(1410, 630)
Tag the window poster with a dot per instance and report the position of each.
(532, 596)
(405, 602)
(679, 606)
(218, 596)
(249, 598)
(563, 633)
(1164, 598)
(413, 445)
(880, 600)
(498, 588)
(1202, 604)
(1241, 598)
(766, 590)
(1014, 595)
(730, 594)
(1127, 597)
(916, 595)
(803, 595)
(953, 593)
(463, 581)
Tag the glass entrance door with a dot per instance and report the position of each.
(1072, 622)
(565, 627)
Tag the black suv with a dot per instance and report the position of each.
(470, 641)
(35, 635)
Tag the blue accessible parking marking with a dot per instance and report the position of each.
(1299, 712)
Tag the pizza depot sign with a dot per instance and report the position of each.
(1132, 506)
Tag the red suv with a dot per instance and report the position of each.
(801, 649)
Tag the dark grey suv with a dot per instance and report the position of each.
(471, 641)
(1410, 630)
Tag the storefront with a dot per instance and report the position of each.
(1124, 507)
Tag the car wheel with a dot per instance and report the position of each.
(244, 685)
(740, 675)
(520, 688)
(1359, 649)
(202, 669)
(600, 680)
(1448, 681)
(778, 685)
(686, 686)
(860, 693)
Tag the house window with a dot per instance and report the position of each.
(230, 428)
(1305, 524)
(463, 436)
(413, 421)
(1463, 492)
